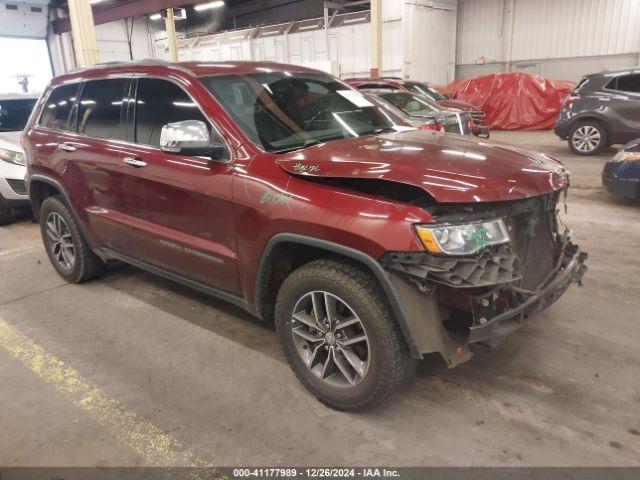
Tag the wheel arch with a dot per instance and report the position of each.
(40, 187)
(300, 249)
(594, 117)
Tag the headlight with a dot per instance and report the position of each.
(12, 156)
(462, 239)
(625, 156)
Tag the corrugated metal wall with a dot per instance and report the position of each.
(430, 40)
(546, 29)
(113, 44)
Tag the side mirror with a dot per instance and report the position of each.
(190, 137)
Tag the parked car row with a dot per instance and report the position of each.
(419, 112)
(425, 91)
(286, 192)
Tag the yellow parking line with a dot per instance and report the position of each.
(157, 448)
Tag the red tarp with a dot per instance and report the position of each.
(513, 101)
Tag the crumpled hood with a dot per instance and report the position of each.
(451, 168)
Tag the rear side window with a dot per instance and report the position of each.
(625, 83)
(56, 112)
(158, 103)
(581, 84)
(100, 107)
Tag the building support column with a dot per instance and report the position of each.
(84, 33)
(376, 38)
(170, 25)
(512, 8)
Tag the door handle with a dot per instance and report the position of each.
(134, 162)
(67, 147)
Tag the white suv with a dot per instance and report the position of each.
(14, 113)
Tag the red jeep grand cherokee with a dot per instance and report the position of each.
(284, 191)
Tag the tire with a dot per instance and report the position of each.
(6, 214)
(386, 363)
(75, 262)
(587, 138)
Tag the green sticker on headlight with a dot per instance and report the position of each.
(479, 236)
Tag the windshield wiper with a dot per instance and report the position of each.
(308, 143)
(378, 131)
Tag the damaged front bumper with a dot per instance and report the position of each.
(453, 303)
(572, 270)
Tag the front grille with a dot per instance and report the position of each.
(18, 186)
(533, 240)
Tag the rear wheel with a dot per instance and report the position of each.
(68, 251)
(339, 335)
(587, 138)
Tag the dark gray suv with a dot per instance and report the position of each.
(602, 110)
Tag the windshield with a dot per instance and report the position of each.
(281, 111)
(15, 113)
(411, 104)
(424, 89)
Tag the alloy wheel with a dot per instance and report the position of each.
(60, 241)
(586, 138)
(331, 339)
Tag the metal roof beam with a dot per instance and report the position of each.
(130, 9)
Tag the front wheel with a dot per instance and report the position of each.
(339, 335)
(6, 214)
(587, 138)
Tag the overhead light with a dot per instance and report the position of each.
(155, 16)
(354, 20)
(308, 27)
(93, 2)
(208, 6)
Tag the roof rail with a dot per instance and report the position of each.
(124, 63)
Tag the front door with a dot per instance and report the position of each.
(180, 207)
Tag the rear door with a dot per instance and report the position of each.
(89, 158)
(624, 108)
(180, 206)
(42, 139)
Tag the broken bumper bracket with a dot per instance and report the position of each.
(513, 319)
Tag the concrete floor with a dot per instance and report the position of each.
(136, 370)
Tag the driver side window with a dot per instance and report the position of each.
(159, 102)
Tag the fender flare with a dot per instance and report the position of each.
(589, 115)
(380, 273)
(38, 177)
